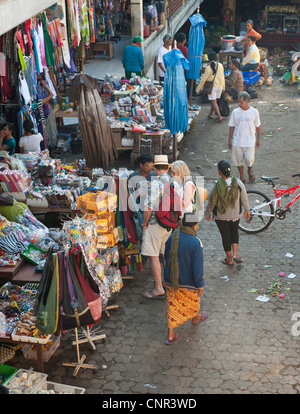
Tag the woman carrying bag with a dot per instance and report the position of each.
(225, 201)
(213, 84)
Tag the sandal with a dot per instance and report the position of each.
(210, 117)
(152, 296)
(171, 341)
(225, 261)
(220, 120)
(251, 178)
(237, 260)
(203, 316)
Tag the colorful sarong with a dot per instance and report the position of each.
(182, 305)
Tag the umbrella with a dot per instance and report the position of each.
(175, 96)
(196, 46)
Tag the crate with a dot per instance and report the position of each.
(149, 143)
(105, 223)
(29, 351)
(106, 202)
(112, 237)
(32, 247)
(87, 202)
(6, 372)
(49, 387)
(250, 77)
(16, 385)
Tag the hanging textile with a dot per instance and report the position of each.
(85, 26)
(37, 52)
(49, 47)
(65, 46)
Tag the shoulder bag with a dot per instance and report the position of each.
(208, 85)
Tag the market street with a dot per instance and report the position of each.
(245, 346)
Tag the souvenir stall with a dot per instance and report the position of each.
(134, 108)
(98, 246)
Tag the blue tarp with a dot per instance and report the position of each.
(175, 94)
(195, 45)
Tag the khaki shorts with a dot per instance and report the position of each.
(154, 240)
(241, 154)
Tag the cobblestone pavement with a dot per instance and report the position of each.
(245, 346)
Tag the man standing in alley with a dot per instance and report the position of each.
(157, 229)
(133, 59)
(166, 47)
(244, 135)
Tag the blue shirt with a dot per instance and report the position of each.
(133, 59)
(190, 261)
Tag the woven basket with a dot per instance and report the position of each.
(6, 354)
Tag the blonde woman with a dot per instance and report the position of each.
(182, 175)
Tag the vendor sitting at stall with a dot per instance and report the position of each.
(133, 59)
(30, 142)
(234, 82)
(252, 59)
(7, 142)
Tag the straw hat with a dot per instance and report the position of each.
(161, 160)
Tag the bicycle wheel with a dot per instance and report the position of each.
(261, 217)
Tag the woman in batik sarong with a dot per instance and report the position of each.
(183, 276)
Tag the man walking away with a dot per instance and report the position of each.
(244, 134)
(133, 59)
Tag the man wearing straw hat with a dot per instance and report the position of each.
(155, 236)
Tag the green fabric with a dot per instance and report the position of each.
(11, 212)
(48, 312)
(21, 58)
(49, 47)
(173, 257)
(221, 198)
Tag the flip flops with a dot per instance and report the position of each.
(171, 341)
(251, 178)
(203, 316)
(225, 261)
(237, 260)
(152, 296)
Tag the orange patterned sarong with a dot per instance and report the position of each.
(182, 305)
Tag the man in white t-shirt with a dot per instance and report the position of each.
(166, 47)
(244, 134)
(30, 142)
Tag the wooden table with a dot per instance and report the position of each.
(224, 54)
(107, 47)
(58, 210)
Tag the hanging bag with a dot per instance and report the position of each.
(48, 311)
(74, 308)
(208, 85)
(93, 299)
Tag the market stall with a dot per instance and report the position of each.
(102, 235)
(280, 27)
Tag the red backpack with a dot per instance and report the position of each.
(169, 210)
